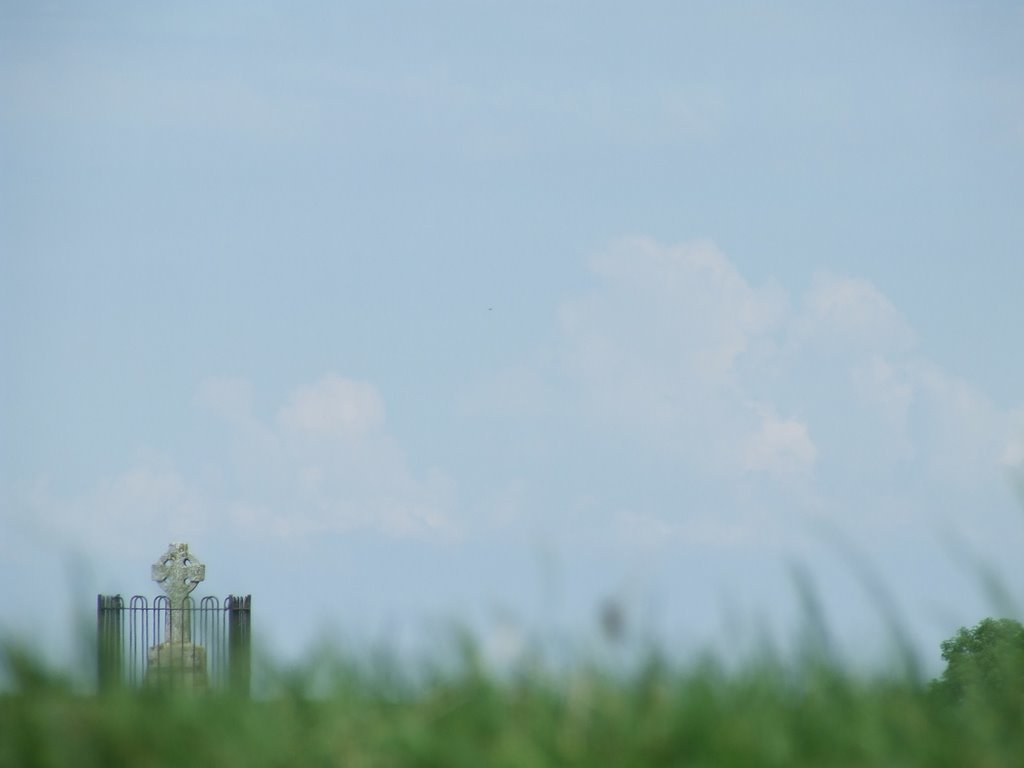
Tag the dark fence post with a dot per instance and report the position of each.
(240, 643)
(109, 641)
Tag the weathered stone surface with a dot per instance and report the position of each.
(177, 662)
(178, 573)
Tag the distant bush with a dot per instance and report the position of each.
(984, 666)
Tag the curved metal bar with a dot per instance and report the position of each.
(161, 607)
(138, 641)
(208, 635)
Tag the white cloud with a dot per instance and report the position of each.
(780, 446)
(333, 407)
(689, 302)
(327, 465)
(962, 434)
(150, 501)
(655, 346)
(887, 387)
(324, 466)
(676, 352)
(853, 315)
(675, 344)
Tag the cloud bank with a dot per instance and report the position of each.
(324, 464)
(781, 410)
(675, 413)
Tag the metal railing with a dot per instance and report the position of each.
(204, 645)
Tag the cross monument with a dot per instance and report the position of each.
(177, 661)
(178, 573)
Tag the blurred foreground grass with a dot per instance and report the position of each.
(767, 712)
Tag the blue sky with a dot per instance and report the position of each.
(497, 311)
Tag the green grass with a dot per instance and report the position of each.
(768, 713)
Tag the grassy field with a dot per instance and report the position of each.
(766, 713)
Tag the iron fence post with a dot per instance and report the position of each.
(109, 641)
(240, 643)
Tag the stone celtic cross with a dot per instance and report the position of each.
(178, 573)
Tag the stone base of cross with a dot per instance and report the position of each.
(181, 666)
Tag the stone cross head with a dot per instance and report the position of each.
(178, 573)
